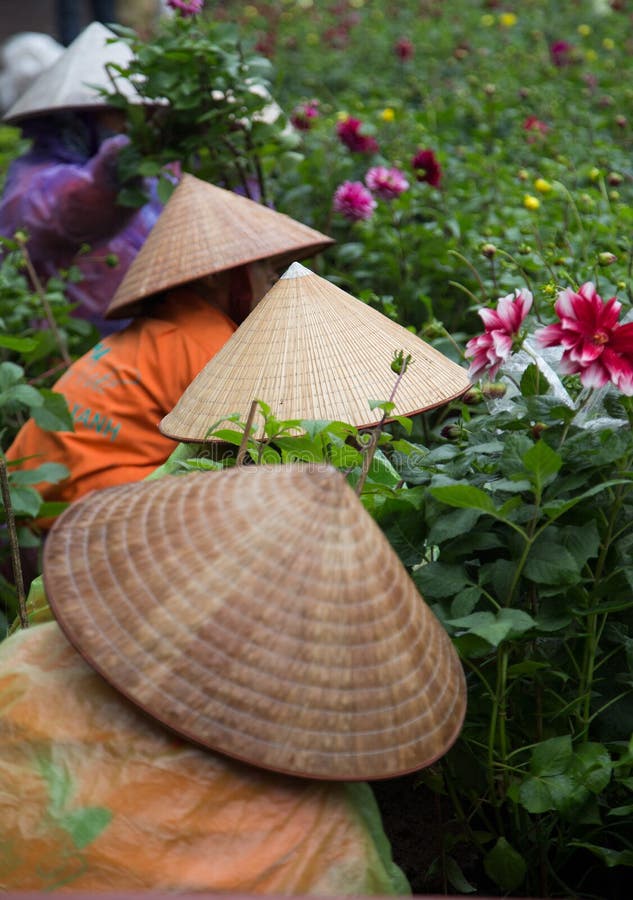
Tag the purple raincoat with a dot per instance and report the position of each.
(63, 193)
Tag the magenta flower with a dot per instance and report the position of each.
(353, 200)
(561, 53)
(349, 133)
(386, 183)
(594, 345)
(186, 8)
(490, 349)
(403, 49)
(535, 128)
(427, 167)
(303, 115)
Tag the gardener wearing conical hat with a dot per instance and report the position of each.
(63, 192)
(209, 259)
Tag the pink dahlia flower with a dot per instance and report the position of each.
(349, 133)
(186, 8)
(427, 167)
(594, 345)
(494, 346)
(386, 183)
(353, 200)
(302, 116)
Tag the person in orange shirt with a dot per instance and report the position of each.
(209, 259)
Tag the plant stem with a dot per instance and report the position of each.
(48, 312)
(13, 543)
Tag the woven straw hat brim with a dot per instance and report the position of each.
(260, 612)
(312, 351)
(205, 229)
(71, 82)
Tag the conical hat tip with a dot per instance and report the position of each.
(296, 270)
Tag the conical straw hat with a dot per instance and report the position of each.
(312, 351)
(205, 229)
(71, 82)
(261, 612)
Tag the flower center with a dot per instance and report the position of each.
(600, 337)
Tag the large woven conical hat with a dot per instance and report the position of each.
(312, 351)
(205, 229)
(70, 83)
(261, 612)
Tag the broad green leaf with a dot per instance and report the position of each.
(534, 795)
(505, 865)
(555, 508)
(54, 414)
(438, 579)
(552, 757)
(49, 472)
(592, 766)
(23, 393)
(19, 344)
(464, 496)
(453, 523)
(551, 563)
(25, 501)
(542, 463)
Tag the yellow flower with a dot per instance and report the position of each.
(342, 115)
(507, 19)
(608, 43)
(387, 115)
(357, 4)
(251, 12)
(594, 174)
(584, 30)
(487, 20)
(312, 38)
(591, 55)
(531, 202)
(542, 186)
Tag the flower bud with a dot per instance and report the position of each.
(542, 185)
(21, 237)
(531, 202)
(451, 432)
(490, 89)
(472, 397)
(606, 258)
(620, 121)
(493, 390)
(537, 430)
(488, 250)
(614, 178)
(523, 174)
(112, 260)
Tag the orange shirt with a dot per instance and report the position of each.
(119, 391)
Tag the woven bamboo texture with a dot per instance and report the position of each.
(205, 229)
(312, 351)
(261, 612)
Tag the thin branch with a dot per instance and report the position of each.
(39, 290)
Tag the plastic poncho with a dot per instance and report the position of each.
(96, 796)
(63, 193)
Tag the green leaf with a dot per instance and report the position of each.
(19, 344)
(542, 463)
(552, 757)
(533, 382)
(85, 825)
(25, 501)
(456, 877)
(49, 472)
(506, 624)
(505, 865)
(551, 563)
(54, 414)
(440, 579)
(611, 858)
(464, 496)
(534, 795)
